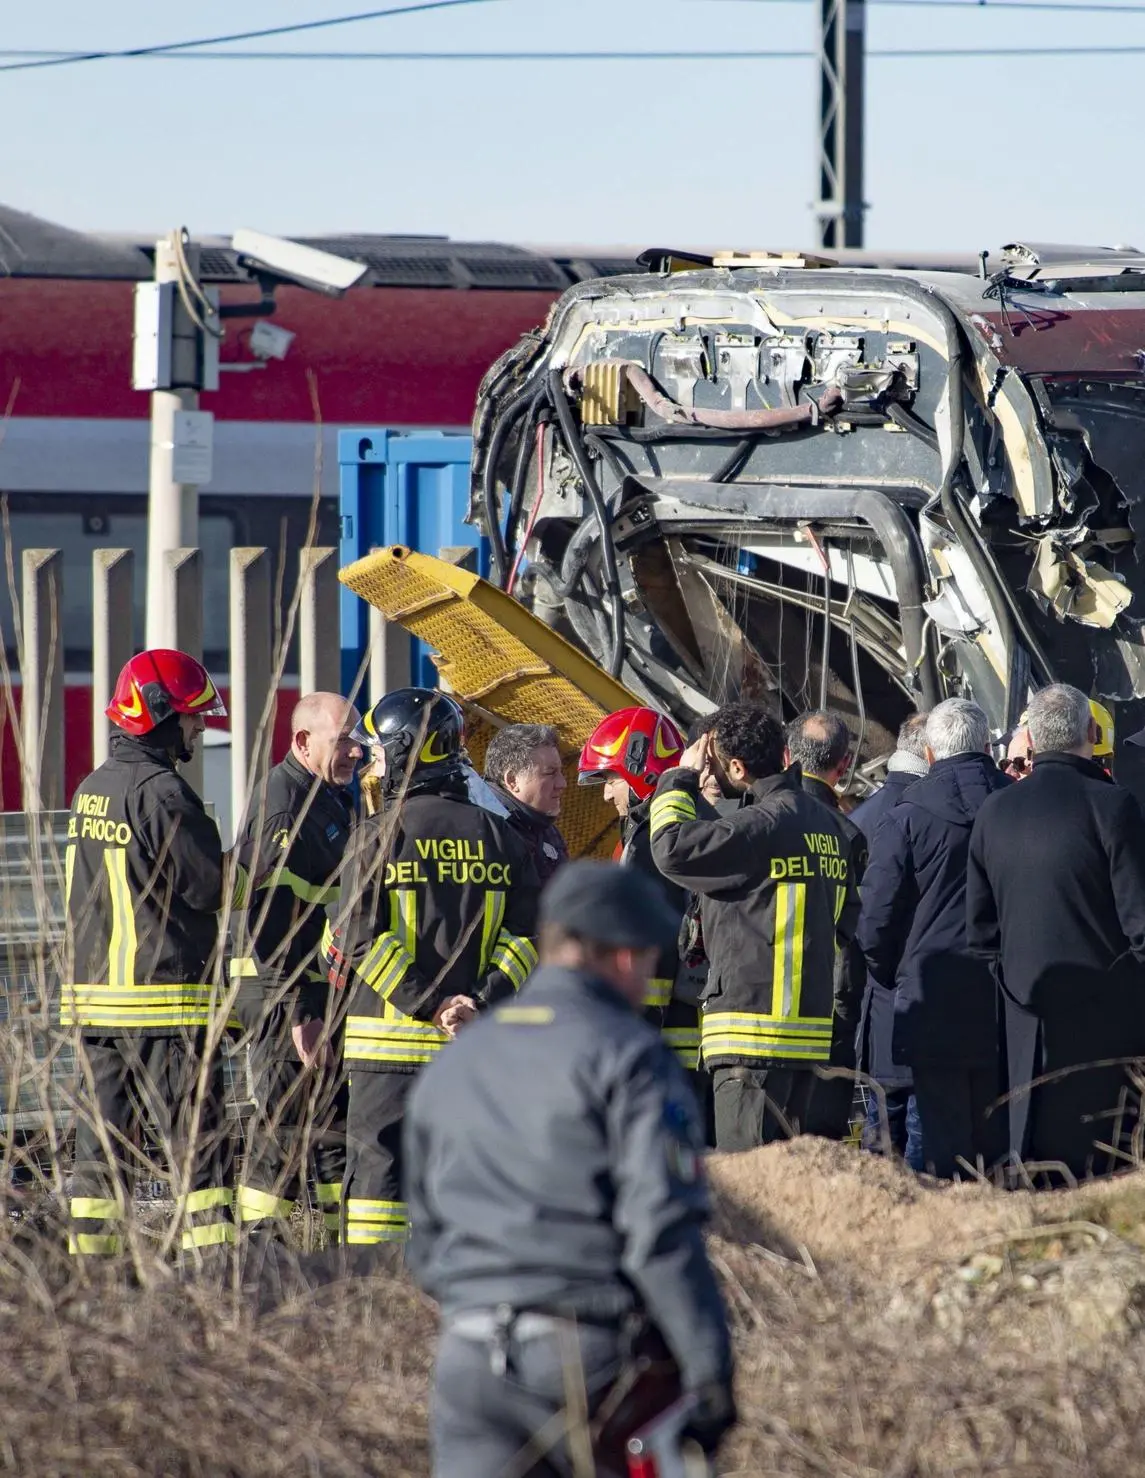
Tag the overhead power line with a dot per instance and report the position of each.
(70, 58)
(1068, 7)
(888, 54)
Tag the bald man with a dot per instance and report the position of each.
(294, 842)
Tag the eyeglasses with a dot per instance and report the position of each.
(1016, 766)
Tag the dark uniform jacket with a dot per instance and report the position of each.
(876, 1025)
(850, 973)
(439, 899)
(677, 1018)
(554, 1164)
(145, 878)
(1056, 899)
(294, 844)
(538, 832)
(779, 899)
(913, 924)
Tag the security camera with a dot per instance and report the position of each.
(268, 341)
(272, 256)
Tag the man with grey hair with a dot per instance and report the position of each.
(912, 932)
(1056, 902)
(523, 767)
(894, 1114)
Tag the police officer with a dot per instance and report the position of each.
(439, 906)
(627, 752)
(777, 899)
(294, 841)
(145, 879)
(557, 1202)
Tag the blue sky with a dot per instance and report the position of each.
(961, 153)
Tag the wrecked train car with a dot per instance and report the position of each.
(806, 484)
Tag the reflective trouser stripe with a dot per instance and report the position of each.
(329, 1197)
(206, 1200)
(214, 1234)
(94, 1244)
(376, 1221)
(657, 993)
(685, 1043)
(253, 1204)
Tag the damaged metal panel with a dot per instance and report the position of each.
(744, 476)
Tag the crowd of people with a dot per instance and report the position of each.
(968, 943)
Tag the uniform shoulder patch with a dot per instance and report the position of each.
(525, 1015)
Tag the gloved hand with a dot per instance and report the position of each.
(713, 1414)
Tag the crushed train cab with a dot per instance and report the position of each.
(784, 479)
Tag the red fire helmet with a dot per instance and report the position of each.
(637, 744)
(158, 683)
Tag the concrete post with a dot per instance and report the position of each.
(390, 656)
(42, 681)
(319, 658)
(182, 613)
(252, 659)
(172, 507)
(112, 635)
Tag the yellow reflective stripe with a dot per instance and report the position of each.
(205, 1200)
(670, 807)
(240, 890)
(681, 1036)
(367, 1236)
(327, 942)
(253, 1204)
(367, 1210)
(840, 900)
(94, 1208)
(215, 1234)
(756, 1020)
(95, 1244)
(752, 1034)
(491, 927)
(284, 877)
(328, 1193)
(243, 967)
(403, 917)
(658, 992)
(787, 960)
(515, 957)
(376, 1221)
(69, 869)
(123, 945)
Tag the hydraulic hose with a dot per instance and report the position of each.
(587, 473)
(497, 553)
(521, 468)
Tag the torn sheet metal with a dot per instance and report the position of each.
(1077, 589)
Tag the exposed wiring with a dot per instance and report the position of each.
(804, 54)
(190, 290)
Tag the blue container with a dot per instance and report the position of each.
(400, 487)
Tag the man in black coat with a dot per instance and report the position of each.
(895, 1116)
(523, 766)
(820, 744)
(1056, 899)
(912, 931)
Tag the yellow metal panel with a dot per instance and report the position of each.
(496, 656)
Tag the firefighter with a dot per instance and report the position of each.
(558, 1201)
(778, 900)
(294, 841)
(439, 905)
(820, 744)
(145, 879)
(628, 752)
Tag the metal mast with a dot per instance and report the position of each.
(842, 47)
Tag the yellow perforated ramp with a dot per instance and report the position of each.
(498, 658)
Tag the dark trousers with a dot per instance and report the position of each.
(954, 1113)
(559, 1397)
(372, 1194)
(900, 1126)
(298, 1127)
(833, 1100)
(146, 1109)
(755, 1106)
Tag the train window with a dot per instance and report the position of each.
(87, 524)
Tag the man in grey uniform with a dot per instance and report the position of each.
(557, 1203)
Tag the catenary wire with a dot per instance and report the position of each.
(802, 54)
(263, 33)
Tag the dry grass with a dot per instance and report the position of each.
(984, 1333)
